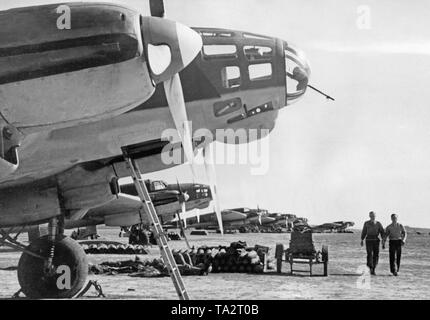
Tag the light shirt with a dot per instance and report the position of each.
(395, 231)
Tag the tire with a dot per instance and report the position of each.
(279, 251)
(324, 253)
(31, 273)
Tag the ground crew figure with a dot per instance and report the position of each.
(372, 229)
(396, 234)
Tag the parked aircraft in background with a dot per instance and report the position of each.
(338, 226)
(127, 210)
(230, 218)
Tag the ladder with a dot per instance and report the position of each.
(157, 229)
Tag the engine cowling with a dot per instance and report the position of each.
(9, 142)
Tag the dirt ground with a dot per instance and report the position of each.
(345, 281)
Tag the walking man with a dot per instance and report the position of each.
(396, 234)
(372, 229)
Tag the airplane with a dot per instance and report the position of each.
(230, 218)
(284, 220)
(127, 210)
(168, 199)
(338, 226)
(71, 165)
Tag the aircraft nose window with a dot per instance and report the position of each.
(297, 74)
(158, 185)
(230, 77)
(258, 72)
(254, 53)
(297, 78)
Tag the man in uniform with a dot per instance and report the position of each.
(396, 234)
(372, 229)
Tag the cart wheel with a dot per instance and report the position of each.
(279, 250)
(326, 269)
(324, 253)
(325, 259)
(278, 254)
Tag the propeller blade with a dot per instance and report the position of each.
(179, 185)
(175, 99)
(157, 8)
(184, 211)
(184, 196)
(198, 213)
(211, 175)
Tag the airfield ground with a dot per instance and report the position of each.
(345, 280)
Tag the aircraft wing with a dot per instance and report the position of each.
(208, 220)
(126, 210)
(231, 215)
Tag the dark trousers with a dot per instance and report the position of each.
(372, 248)
(395, 254)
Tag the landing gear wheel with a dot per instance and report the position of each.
(37, 283)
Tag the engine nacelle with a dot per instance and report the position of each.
(6, 168)
(28, 205)
(85, 188)
(10, 139)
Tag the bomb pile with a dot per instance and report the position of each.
(272, 229)
(173, 236)
(261, 229)
(103, 248)
(140, 268)
(235, 258)
(249, 229)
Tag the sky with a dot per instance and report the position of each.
(368, 150)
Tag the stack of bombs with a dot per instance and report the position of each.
(249, 229)
(101, 248)
(272, 229)
(241, 260)
(261, 229)
(236, 258)
(173, 236)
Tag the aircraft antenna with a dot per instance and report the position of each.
(320, 92)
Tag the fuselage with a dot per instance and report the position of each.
(257, 104)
